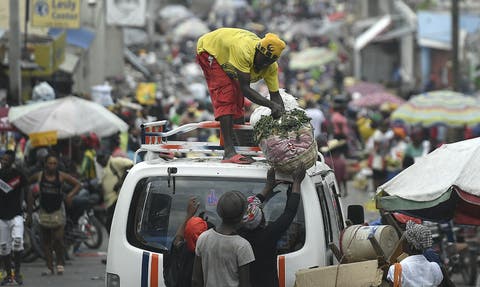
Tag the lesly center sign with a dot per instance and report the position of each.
(56, 13)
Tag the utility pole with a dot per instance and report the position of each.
(14, 52)
(455, 64)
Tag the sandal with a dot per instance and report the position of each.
(238, 158)
(47, 272)
(60, 269)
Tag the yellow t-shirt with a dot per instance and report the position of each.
(234, 47)
(109, 179)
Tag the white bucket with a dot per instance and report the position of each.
(355, 245)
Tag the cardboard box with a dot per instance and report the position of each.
(358, 274)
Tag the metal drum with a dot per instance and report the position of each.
(356, 246)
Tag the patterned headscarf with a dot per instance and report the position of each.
(418, 235)
(253, 215)
(271, 46)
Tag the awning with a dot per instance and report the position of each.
(70, 63)
(375, 30)
(435, 29)
(81, 37)
(395, 34)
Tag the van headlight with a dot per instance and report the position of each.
(113, 280)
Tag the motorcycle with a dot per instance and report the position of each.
(458, 249)
(82, 224)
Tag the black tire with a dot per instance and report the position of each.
(29, 253)
(37, 240)
(94, 233)
(469, 267)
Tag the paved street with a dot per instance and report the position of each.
(85, 270)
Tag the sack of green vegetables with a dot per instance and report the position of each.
(288, 141)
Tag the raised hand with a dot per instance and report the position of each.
(192, 207)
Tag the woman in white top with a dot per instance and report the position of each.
(416, 270)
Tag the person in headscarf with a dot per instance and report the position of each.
(264, 238)
(416, 270)
(178, 263)
(231, 59)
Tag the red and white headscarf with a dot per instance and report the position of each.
(253, 215)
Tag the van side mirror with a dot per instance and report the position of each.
(356, 214)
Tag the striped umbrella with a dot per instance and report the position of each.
(439, 107)
(376, 99)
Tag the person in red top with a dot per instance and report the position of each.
(338, 120)
(335, 159)
(178, 264)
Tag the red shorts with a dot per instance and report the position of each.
(227, 99)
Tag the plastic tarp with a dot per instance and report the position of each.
(81, 37)
(440, 186)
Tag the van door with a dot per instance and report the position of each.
(331, 215)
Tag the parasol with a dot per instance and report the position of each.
(440, 107)
(442, 185)
(376, 99)
(365, 88)
(69, 116)
(311, 58)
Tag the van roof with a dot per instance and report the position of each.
(155, 140)
(203, 162)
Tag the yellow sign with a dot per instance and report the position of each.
(43, 138)
(146, 93)
(48, 56)
(56, 13)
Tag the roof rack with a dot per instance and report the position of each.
(154, 139)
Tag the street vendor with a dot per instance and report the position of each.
(416, 270)
(231, 59)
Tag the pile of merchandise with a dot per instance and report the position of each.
(288, 141)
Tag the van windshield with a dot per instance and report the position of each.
(159, 206)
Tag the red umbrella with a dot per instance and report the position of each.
(365, 88)
(4, 122)
(377, 99)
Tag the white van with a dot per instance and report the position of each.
(153, 200)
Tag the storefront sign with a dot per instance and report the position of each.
(56, 13)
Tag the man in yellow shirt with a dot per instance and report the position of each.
(231, 59)
(114, 169)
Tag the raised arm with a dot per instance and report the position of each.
(254, 96)
(282, 223)
(269, 185)
(192, 208)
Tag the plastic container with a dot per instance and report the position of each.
(356, 246)
(102, 94)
